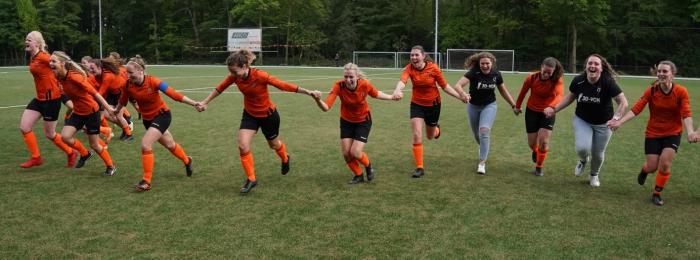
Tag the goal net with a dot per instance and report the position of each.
(505, 59)
(404, 58)
(375, 59)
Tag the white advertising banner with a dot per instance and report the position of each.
(244, 39)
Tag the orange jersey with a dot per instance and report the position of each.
(93, 82)
(353, 103)
(545, 93)
(110, 84)
(81, 92)
(666, 111)
(147, 97)
(44, 80)
(424, 91)
(256, 98)
(122, 72)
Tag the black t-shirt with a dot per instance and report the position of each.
(594, 101)
(482, 86)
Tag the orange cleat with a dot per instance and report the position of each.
(34, 161)
(71, 159)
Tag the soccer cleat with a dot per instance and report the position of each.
(81, 161)
(128, 138)
(534, 157)
(657, 200)
(121, 137)
(188, 167)
(439, 132)
(110, 171)
(131, 125)
(285, 166)
(34, 161)
(418, 173)
(248, 185)
(357, 179)
(142, 186)
(539, 172)
(579, 168)
(71, 159)
(642, 177)
(481, 169)
(594, 181)
(370, 172)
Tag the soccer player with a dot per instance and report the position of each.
(258, 110)
(546, 90)
(111, 85)
(85, 110)
(355, 118)
(156, 117)
(46, 104)
(425, 100)
(594, 89)
(483, 79)
(669, 111)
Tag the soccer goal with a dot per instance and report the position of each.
(375, 59)
(505, 59)
(404, 58)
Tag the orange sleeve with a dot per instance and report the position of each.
(371, 90)
(523, 91)
(107, 79)
(281, 84)
(559, 93)
(405, 74)
(685, 103)
(440, 78)
(81, 81)
(332, 95)
(225, 84)
(642, 102)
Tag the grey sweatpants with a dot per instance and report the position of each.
(591, 140)
(482, 117)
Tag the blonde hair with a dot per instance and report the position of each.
(36, 35)
(69, 63)
(115, 55)
(138, 61)
(240, 58)
(353, 66)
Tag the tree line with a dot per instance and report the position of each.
(632, 34)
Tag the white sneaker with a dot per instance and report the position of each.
(579, 168)
(481, 169)
(131, 126)
(595, 182)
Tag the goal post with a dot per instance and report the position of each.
(505, 59)
(375, 59)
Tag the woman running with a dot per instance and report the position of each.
(669, 111)
(425, 100)
(156, 117)
(258, 110)
(594, 89)
(355, 118)
(85, 110)
(547, 87)
(46, 105)
(483, 79)
(111, 85)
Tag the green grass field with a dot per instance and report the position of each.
(54, 212)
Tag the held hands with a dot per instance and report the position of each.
(615, 124)
(315, 94)
(549, 112)
(200, 106)
(111, 111)
(398, 95)
(517, 111)
(693, 137)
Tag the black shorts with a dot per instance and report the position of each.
(49, 109)
(358, 131)
(431, 114)
(270, 125)
(112, 99)
(534, 121)
(160, 122)
(91, 122)
(656, 145)
(64, 99)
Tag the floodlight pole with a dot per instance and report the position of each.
(437, 53)
(99, 7)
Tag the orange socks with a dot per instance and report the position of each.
(354, 167)
(282, 153)
(364, 160)
(418, 155)
(248, 165)
(79, 147)
(147, 161)
(661, 180)
(30, 140)
(541, 156)
(126, 129)
(180, 153)
(105, 157)
(58, 141)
